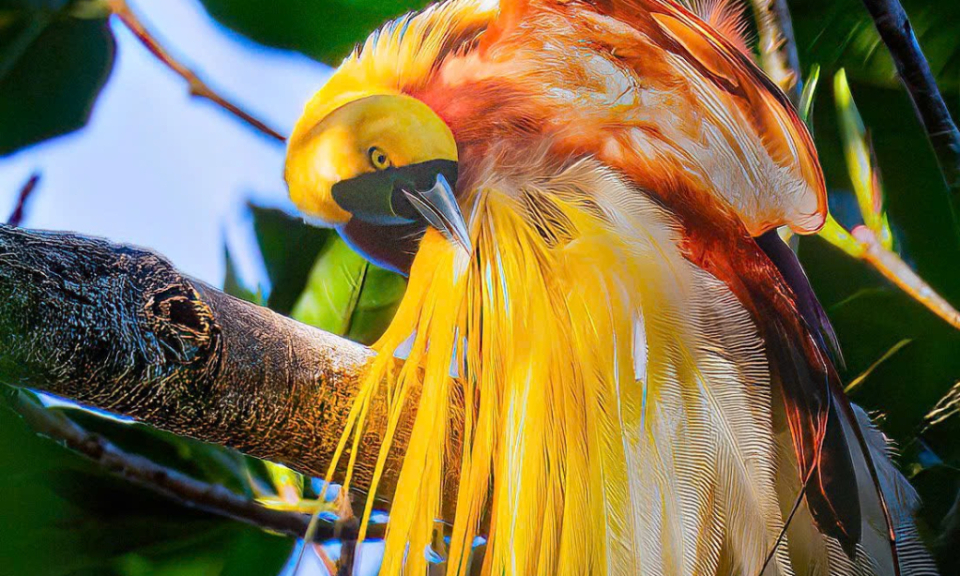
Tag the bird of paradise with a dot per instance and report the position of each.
(611, 362)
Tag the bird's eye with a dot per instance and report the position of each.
(378, 158)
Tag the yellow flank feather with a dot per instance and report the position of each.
(601, 403)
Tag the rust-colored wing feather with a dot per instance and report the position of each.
(672, 50)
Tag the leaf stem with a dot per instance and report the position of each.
(864, 244)
(888, 263)
(197, 86)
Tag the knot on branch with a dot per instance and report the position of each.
(183, 323)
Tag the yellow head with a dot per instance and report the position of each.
(372, 164)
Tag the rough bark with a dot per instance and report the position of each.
(119, 328)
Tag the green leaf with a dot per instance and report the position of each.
(289, 248)
(871, 317)
(840, 34)
(347, 295)
(318, 279)
(52, 67)
(248, 554)
(228, 551)
(323, 29)
(916, 197)
(285, 480)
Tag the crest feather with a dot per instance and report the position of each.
(727, 17)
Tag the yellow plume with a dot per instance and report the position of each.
(601, 403)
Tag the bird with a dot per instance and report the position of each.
(611, 361)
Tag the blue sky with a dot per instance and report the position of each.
(160, 169)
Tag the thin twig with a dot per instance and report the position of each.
(348, 551)
(16, 217)
(197, 86)
(863, 244)
(778, 48)
(897, 33)
(170, 483)
(166, 481)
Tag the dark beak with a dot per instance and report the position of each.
(406, 195)
(439, 208)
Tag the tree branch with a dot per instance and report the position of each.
(118, 328)
(162, 480)
(914, 70)
(778, 48)
(197, 86)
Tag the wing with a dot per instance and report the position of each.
(770, 175)
(737, 147)
(665, 99)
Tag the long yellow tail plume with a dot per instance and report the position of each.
(596, 399)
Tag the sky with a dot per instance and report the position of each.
(159, 169)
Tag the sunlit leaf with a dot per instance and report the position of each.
(319, 280)
(917, 200)
(349, 296)
(809, 91)
(287, 484)
(860, 162)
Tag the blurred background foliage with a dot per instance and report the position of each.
(63, 515)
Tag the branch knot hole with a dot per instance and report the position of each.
(183, 324)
